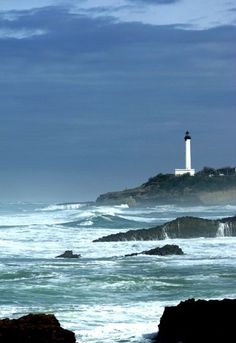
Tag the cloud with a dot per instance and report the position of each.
(16, 5)
(96, 47)
(21, 33)
(79, 59)
(198, 15)
(155, 2)
(16, 25)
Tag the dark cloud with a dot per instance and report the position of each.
(97, 99)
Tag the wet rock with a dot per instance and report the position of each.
(183, 227)
(168, 249)
(34, 328)
(198, 321)
(68, 254)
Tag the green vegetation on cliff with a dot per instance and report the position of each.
(208, 187)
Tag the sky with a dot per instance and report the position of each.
(96, 95)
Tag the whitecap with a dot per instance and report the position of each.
(70, 206)
(122, 206)
(86, 223)
(138, 219)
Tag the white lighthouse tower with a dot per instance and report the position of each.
(188, 169)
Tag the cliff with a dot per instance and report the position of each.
(198, 321)
(208, 187)
(183, 227)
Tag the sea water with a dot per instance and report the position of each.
(104, 296)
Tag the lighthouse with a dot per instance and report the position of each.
(188, 169)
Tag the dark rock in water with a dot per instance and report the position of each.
(68, 254)
(34, 328)
(168, 249)
(198, 321)
(183, 227)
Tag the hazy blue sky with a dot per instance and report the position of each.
(95, 95)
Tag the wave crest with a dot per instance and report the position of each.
(104, 221)
(59, 207)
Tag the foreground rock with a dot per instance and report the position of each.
(68, 254)
(183, 227)
(168, 249)
(199, 321)
(34, 328)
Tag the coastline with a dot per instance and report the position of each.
(190, 321)
(202, 189)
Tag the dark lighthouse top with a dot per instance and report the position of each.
(187, 136)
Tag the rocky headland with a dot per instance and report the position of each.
(34, 328)
(198, 321)
(208, 187)
(183, 227)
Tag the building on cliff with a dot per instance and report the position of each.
(188, 169)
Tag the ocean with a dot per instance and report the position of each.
(104, 296)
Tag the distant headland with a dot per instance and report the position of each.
(209, 186)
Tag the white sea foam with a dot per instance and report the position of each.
(138, 219)
(24, 221)
(122, 206)
(128, 323)
(224, 229)
(108, 210)
(86, 223)
(221, 230)
(63, 207)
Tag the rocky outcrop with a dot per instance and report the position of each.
(198, 321)
(168, 249)
(183, 227)
(34, 328)
(208, 187)
(68, 254)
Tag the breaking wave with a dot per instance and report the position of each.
(224, 230)
(59, 207)
(104, 221)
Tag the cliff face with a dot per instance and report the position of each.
(194, 321)
(184, 227)
(201, 189)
